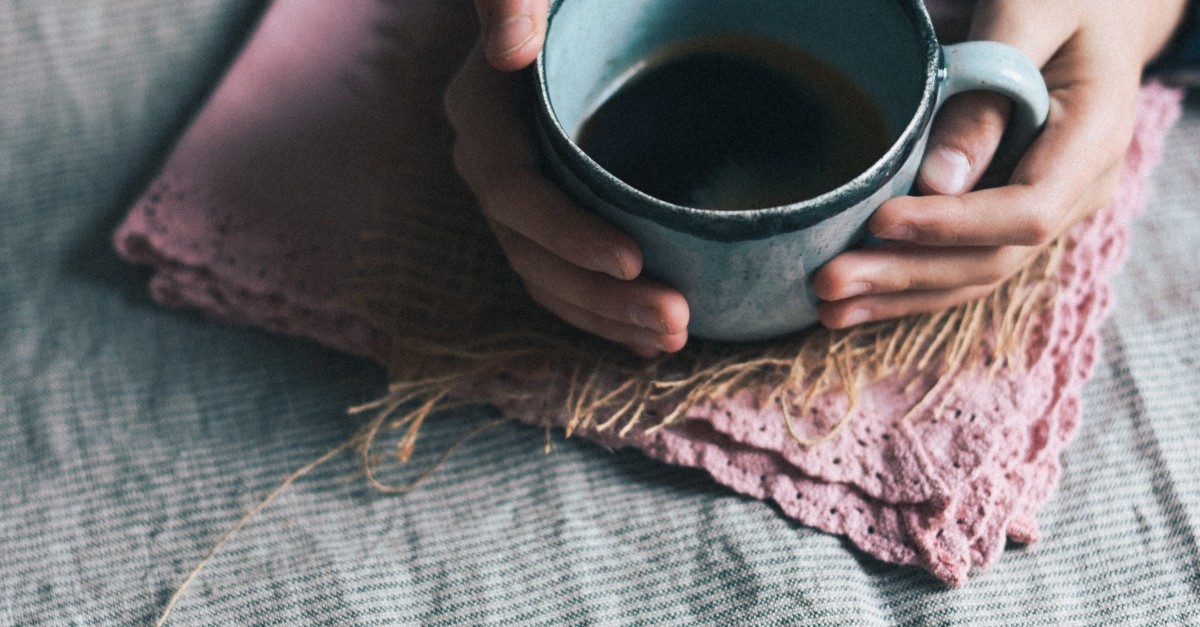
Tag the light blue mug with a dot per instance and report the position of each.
(746, 274)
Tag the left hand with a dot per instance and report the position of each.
(953, 245)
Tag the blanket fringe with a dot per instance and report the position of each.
(610, 390)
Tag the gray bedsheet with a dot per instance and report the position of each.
(131, 436)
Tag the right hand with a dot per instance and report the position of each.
(574, 264)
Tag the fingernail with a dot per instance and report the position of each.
(508, 36)
(608, 262)
(946, 171)
(857, 288)
(614, 264)
(648, 342)
(856, 317)
(627, 268)
(898, 233)
(648, 317)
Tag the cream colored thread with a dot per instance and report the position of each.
(191, 576)
(364, 439)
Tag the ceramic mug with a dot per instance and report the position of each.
(746, 274)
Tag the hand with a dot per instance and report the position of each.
(512, 31)
(574, 264)
(953, 245)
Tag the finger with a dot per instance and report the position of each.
(969, 127)
(641, 340)
(513, 31)
(527, 204)
(1093, 80)
(482, 104)
(962, 142)
(1010, 22)
(641, 303)
(855, 311)
(892, 269)
(1072, 169)
(497, 159)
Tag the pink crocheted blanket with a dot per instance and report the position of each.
(255, 220)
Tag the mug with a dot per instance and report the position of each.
(746, 273)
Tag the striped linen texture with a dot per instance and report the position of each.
(132, 437)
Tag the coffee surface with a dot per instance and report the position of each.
(735, 123)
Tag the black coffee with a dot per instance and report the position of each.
(736, 123)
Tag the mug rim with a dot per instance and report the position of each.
(747, 224)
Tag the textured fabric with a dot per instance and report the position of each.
(948, 488)
(249, 226)
(131, 437)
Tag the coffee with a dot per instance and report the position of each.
(735, 123)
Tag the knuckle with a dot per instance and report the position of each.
(992, 118)
(993, 127)
(1038, 229)
(832, 279)
(942, 226)
(974, 123)
(836, 274)
(894, 211)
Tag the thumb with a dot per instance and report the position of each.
(513, 31)
(963, 140)
(969, 127)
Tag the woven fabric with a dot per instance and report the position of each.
(244, 226)
(131, 436)
(947, 486)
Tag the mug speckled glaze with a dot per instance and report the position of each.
(746, 274)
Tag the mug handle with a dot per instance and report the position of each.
(993, 66)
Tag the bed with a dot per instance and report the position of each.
(132, 436)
